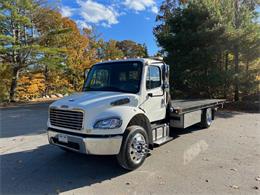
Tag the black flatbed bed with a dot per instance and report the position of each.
(189, 105)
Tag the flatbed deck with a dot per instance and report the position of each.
(184, 106)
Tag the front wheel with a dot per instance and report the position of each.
(134, 148)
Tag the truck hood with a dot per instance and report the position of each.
(98, 99)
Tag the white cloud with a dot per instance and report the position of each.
(96, 13)
(91, 12)
(82, 24)
(155, 10)
(66, 11)
(141, 5)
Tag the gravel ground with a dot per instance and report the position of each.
(224, 159)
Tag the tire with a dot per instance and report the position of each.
(206, 118)
(133, 150)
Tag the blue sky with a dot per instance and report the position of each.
(116, 19)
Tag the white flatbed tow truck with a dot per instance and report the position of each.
(125, 110)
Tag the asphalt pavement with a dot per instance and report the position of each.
(224, 159)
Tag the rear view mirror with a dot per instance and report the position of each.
(86, 73)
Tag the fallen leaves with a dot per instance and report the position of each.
(234, 187)
(233, 169)
(162, 183)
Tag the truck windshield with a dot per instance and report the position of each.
(115, 76)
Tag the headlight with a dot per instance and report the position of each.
(110, 123)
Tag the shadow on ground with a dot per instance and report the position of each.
(248, 106)
(225, 114)
(48, 170)
(176, 132)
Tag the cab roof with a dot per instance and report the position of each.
(146, 61)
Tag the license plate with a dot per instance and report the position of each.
(63, 138)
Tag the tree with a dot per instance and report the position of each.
(191, 40)
(218, 40)
(111, 51)
(49, 26)
(145, 51)
(30, 85)
(20, 42)
(132, 49)
(243, 19)
(78, 58)
(17, 41)
(5, 75)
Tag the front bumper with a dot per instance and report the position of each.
(87, 145)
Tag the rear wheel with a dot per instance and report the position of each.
(134, 148)
(206, 118)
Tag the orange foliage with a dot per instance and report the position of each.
(30, 86)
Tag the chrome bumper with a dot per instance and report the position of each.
(88, 145)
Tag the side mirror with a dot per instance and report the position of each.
(86, 73)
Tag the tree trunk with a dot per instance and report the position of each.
(236, 62)
(236, 50)
(226, 68)
(13, 84)
(46, 80)
(247, 78)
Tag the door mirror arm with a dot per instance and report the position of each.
(86, 71)
(165, 86)
(150, 94)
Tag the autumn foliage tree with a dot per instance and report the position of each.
(43, 53)
(132, 49)
(19, 46)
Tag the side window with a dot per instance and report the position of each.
(153, 77)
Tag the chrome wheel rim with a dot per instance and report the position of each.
(209, 116)
(138, 148)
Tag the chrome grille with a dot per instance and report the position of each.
(70, 119)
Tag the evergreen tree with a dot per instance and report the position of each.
(209, 44)
(191, 40)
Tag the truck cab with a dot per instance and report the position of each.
(124, 109)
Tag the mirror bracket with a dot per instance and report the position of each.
(150, 94)
(86, 71)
